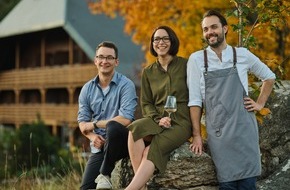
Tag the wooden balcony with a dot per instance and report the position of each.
(51, 114)
(47, 77)
(68, 76)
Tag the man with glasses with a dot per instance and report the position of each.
(107, 105)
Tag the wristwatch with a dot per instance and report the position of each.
(95, 124)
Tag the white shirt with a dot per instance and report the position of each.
(246, 62)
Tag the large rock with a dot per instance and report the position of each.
(275, 130)
(186, 171)
(279, 180)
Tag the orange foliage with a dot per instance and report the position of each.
(265, 112)
(184, 16)
(142, 16)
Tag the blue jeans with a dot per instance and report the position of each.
(243, 184)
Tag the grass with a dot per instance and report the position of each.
(44, 177)
(24, 182)
(48, 169)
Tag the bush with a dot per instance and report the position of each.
(36, 145)
(31, 154)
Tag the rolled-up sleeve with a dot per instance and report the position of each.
(258, 68)
(128, 101)
(194, 75)
(84, 112)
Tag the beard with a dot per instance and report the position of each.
(220, 39)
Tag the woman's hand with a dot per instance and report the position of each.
(165, 122)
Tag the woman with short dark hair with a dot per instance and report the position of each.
(152, 138)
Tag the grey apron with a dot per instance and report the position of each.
(232, 131)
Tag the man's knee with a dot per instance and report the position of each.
(112, 126)
(114, 129)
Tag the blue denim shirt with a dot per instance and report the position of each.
(119, 100)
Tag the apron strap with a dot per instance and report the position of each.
(234, 56)
(205, 61)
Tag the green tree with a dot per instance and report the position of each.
(263, 25)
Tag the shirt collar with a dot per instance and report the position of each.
(115, 78)
(224, 50)
(174, 60)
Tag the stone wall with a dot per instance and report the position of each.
(186, 171)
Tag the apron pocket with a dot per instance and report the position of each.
(218, 116)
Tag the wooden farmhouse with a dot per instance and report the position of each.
(47, 49)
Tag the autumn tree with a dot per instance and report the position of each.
(260, 25)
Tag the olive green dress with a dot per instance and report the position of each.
(156, 85)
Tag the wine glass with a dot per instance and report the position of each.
(170, 105)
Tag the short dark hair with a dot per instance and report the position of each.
(173, 39)
(109, 44)
(222, 19)
(217, 14)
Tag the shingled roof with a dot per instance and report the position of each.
(86, 29)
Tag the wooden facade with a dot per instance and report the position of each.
(42, 73)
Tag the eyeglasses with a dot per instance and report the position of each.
(165, 39)
(103, 58)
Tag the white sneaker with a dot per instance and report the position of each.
(103, 182)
